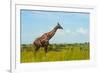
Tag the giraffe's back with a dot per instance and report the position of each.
(40, 41)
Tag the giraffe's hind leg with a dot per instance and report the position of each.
(46, 47)
(36, 49)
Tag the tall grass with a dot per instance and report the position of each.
(56, 52)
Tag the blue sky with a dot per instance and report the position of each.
(35, 23)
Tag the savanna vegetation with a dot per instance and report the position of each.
(56, 52)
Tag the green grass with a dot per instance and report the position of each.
(56, 52)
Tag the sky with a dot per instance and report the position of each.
(35, 23)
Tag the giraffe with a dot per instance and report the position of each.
(43, 41)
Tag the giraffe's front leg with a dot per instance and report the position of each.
(46, 50)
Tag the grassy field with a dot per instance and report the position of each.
(56, 52)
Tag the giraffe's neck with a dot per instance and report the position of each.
(52, 33)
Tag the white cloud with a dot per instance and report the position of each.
(68, 31)
(81, 30)
(71, 33)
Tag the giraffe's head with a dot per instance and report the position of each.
(59, 26)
